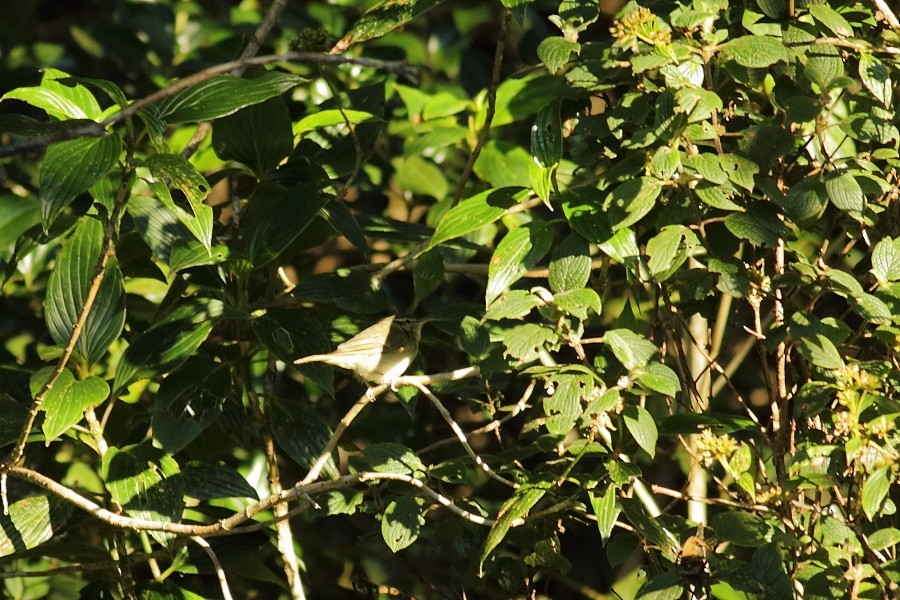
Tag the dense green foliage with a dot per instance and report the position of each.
(667, 234)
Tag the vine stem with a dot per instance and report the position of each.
(231, 525)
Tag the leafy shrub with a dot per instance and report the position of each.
(658, 251)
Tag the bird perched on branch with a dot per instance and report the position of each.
(378, 354)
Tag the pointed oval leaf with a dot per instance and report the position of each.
(660, 378)
(642, 428)
(144, 481)
(570, 266)
(846, 194)
(68, 289)
(831, 19)
(31, 522)
(874, 491)
(187, 402)
(606, 512)
(258, 136)
(61, 101)
(302, 433)
(170, 241)
(630, 348)
(168, 342)
(515, 508)
(64, 406)
(71, 168)
(518, 251)
(876, 77)
(224, 95)
(401, 523)
(274, 222)
(755, 51)
(631, 201)
(546, 136)
(476, 212)
(555, 51)
(384, 17)
(206, 482)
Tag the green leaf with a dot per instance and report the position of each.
(31, 522)
(473, 337)
(874, 491)
(516, 304)
(546, 136)
(169, 341)
(428, 274)
(733, 277)
(188, 401)
(740, 171)
(563, 405)
(743, 529)
(805, 201)
(401, 523)
(206, 482)
(876, 77)
(258, 136)
(754, 51)
(846, 194)
(760, 225)
(659, 378)
(420, 176)
(570, 265)
(144, 481)
(329, 118)
(578, 303)
(474, 213)
(630, 348)
(684, 423)
(169, 240)
(504, 164)
(820, 351)
(629, 202)
(67, 400)
(69, 287)
(526, 342)
(515, 508)
(871, 308)
(831, 19)
(605, 510)
(17, 215)
(582, 210)
(884, 539)
(346, 223)
(555, 52)
(385, 17)
(60, 101)
(668, 585)
(303, 434)
(224, 95)
(642, 427)
(288, 333)
(170, 170)
(518, 251)
(71, 168)
(388, 457)
(665, 250)
(274, 221)
(886, 260)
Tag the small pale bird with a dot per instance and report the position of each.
(379, 354)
